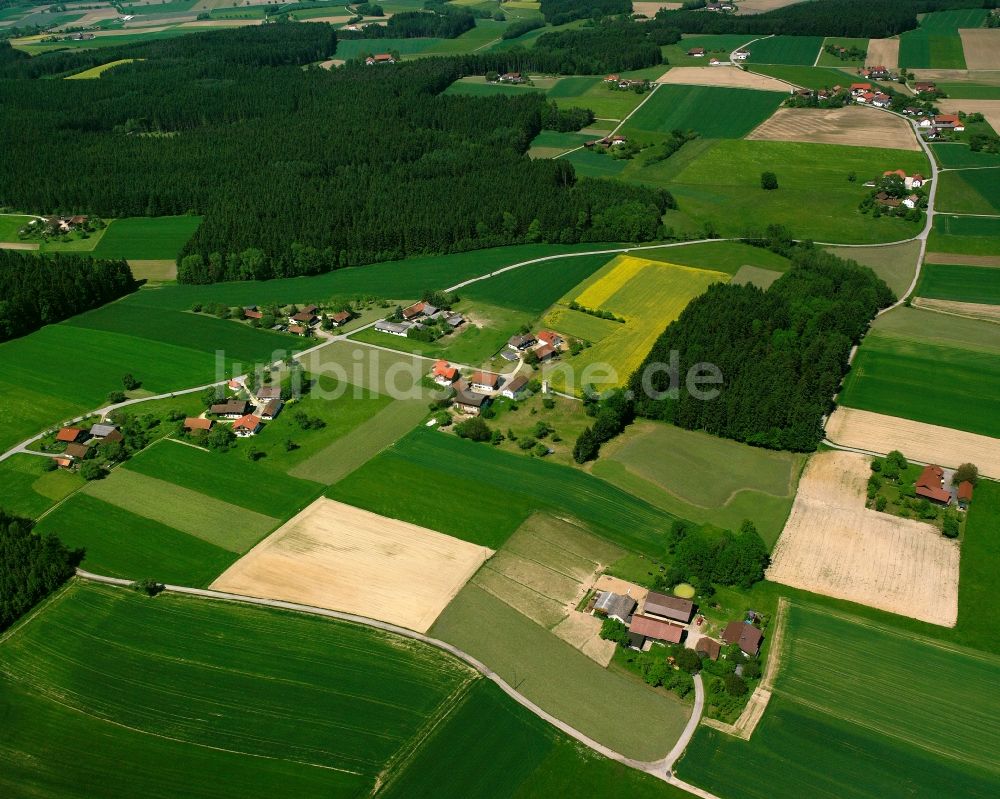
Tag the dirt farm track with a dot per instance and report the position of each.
(852, 125)
(833, 545)
(339, 557)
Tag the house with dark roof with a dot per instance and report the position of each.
(708, 647)
(469, 401)
(392, 328)
(930, 485)
(648, 627)
(76, 451)
(746, 636)
(522, 342)
(233, 409)
(271, 409)
(101, 430)
(545, 352)
(268, 392)
(514, 386)
(615, 606)
(668, 607)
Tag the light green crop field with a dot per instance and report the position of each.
(956, 155)
(119, 543)
(407, 480)
(96, 72)
(685, 466)
(515, 754)
(550, 143)
(595, 94)
(719, 256)
(821, 77)
(726, 174)
(228, 476)
(578, 324)
(714, 112)
(648, 295)
(190, 697)
(223, 524)
(936, 43)
(27, 489)
(965, 235)
(863, 709)
(930, 374)
(895, 264)
(561, 679)
(827, 60)
(960, 283)
(969, 191)
(147, 237)
(10, 224)
(786, 50)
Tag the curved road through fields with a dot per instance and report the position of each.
(658, 768)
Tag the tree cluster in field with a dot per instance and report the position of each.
(781, 352)
(519, 27)
(895, 188)
(838, 100)
(611, 415)
(667, 147)
(357, 177)
(565, 120)
(559, 12)
(42, 289)
(707, 556)
(444, 23)
(575, 306)
(33, 566)
(862, 19)
(370, 10)
(670, 666)
(851, 53)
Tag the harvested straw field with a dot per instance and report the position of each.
(981, 47)
(970, 310)
(962, 260)
(884, 52)
(853, 126)
(340, 557)
(650, 9)
(762, 6)
(927, 443)
(733, 77)
(832, 544)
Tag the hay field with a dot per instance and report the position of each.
(544, 570)
(958, 258)
(340, 557)
(733, 77)
(835, 546)
(852, 125)
(970, 310)
(883, 51)
(981, 47)
(650, 9)
(927, 443)
(648, 295)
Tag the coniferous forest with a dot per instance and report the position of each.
(297, 171)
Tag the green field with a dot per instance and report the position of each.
(969, 191)
(958, 155)
(595, 94)
(721, 183)
(109, 693)
(550, 143)
(921, 375)
(969, 91)
(756, 484)
(718, 46)
(591, 164)
(10, 224)
(407, 480)
(895, 264)
(966, 235)
(936, 43)
(960, 283)
(827, 60)
(714, 112)
(29, 490)
(355, 48)
(149, 238)
(800, 50)
(478, 86)
(821, 77)
(862, 710)
(562, 680)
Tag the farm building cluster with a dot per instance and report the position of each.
(304, 321)
(78, 442)
(474, 393)
(247, 411)
(533, 347)
(419, 317)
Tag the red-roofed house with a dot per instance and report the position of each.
(193, 423)
(696, 52)
(69, 434)
(246, 425)
(298, 330)
(548, 337)
(339, 318)
(860, 88)
(864, 97)
(949, 121)
(484, 381)
(965, 489)
(380, 58)
(251, 313)
(444, 373)
(654, 628)
(545, 352)
(930, 485)
(922, 87)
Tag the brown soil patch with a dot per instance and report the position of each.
(962, 260)
(883, 51)
(853, 126)
(833, 545)
(650, 9)
(971, 310)
(332, 62)
(928, 443)
(982, 47)
(760, 6)
(722, 76)
(988, 108)
(336, 556)
(18, 245)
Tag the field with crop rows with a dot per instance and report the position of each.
(960, 283)
(714, 112)
(786, 50)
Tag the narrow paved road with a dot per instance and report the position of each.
(658, 768)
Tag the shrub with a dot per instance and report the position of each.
(147, 587)
(768, 181)
(114, 397)
(614, 630)
(688, 660)
(474, 428)
(950, 526)
(735, 685)
(967, 471)
(91, 470)
(540, 450)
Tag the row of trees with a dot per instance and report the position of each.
(444, 23)
(559, 12)
(781, 352)
(33, 566)
(38, 290)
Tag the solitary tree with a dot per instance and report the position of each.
(130, 383)
(967, 471)
(768, 181)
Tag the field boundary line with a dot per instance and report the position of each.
(51, 599)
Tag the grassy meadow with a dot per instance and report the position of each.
(163, 685)
(491, 493)
(96, 72)
(717, 46)
(801, 50)
(965, 235)
(150, 238)
(896, 264)
(713, 112)
(979, 284)
(957, 155)
(969, 191)
(936, 43)
(29, 490)
(820, 77)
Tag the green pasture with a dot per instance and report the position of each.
(10, 224)
(591, 164)
(914, 324)
(678, 470)
(921, 50)
(968, 191)
(960, 283)
(965, 235)
(800, 50)
(357, 48)
(229, 477)
(29, 490)
(120, 543)
(407, 480)
(714, 112)
(165, 685)
(969, 91)
(578, 324)
(895, 264)
(820, 77)
(978, 597)
(918, 379)
(938, 21)
(827, 60)
(561, 679)
(33, 48)
(479, 38)
(151, 238)
(595, 94)
(170, 7)
(814, 200)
